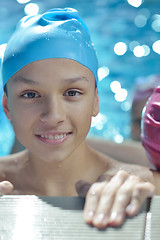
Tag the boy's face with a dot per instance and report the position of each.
(50, 103)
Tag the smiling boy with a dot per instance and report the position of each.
(49, 75)
(50, 103)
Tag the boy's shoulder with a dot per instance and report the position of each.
(13, 158)
(11, 164)
(105, 163)
(112, 166)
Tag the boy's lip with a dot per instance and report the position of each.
(53, 138)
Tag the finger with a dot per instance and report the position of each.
(82, 188)
(122, 199)
(5, 187)
(129, 199)
(141, 192)
(107, 198)
(92, 199)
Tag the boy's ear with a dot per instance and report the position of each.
(5, 106)
(96, 105)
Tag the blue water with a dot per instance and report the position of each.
(109, 22)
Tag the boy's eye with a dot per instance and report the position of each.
(72, 93)
(30, 95)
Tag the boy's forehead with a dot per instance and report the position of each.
(66, 69)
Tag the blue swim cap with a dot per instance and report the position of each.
(58, 33)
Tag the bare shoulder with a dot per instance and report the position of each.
(11, 164)
(128, 151)
(112, 166)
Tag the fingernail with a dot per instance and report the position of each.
(98, 219)
(131, 209)
(6, 184)
(89, 215)
(113, 216)
(116, 217)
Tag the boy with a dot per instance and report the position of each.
(49, 76)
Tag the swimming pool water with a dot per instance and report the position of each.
(109, 22)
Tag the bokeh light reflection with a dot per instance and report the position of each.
(98, 121)
(118, 138)
(23, 1)
(139, 51)
(135, 3)
(115, 86)
(31, 9)
(156, 23)
(120, 48)
(133, 44)
(146, 50)
(103, 72)
(145, 11)
(126, 106)
(121, 95)
(140, 20)
(156, 46)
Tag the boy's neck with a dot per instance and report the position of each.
(59, 178)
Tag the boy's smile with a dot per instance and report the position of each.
(50, 103)
(54, 138)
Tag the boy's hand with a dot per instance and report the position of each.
(108, 202)
(5, 187)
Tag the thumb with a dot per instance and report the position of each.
(82, 188)
(5, 187)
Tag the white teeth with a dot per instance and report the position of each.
(55, 137)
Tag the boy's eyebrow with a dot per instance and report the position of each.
(32, 82)
(24, 80)
(72, 80)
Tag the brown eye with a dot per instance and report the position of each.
(30, 95)
(72, 93)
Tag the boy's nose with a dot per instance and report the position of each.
(53, 112)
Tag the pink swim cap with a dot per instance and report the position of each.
(150, 128)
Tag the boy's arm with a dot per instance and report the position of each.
(128, 151)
